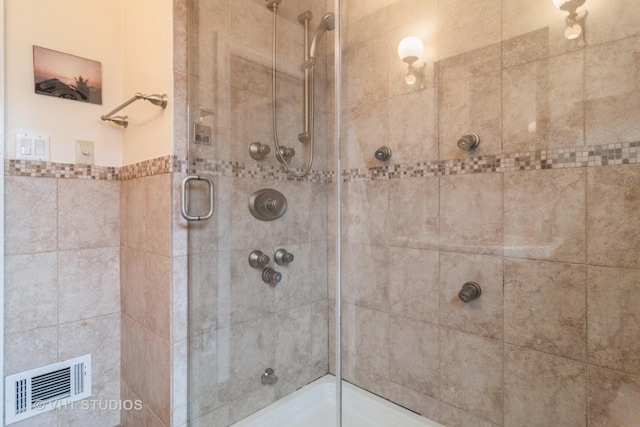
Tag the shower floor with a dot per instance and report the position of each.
(314, 406)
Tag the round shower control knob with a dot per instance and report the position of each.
(282, 257)
(469, 142)
(469, 292)
(257, 151)
(286, 152)
(270, 276)
(258, 260)
(383, 154)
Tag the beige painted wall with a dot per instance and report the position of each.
(147, 68)
(132, 40)
(87, 29)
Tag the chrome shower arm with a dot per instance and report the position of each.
(159, 100)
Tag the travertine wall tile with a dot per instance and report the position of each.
(543, 104)
(414, 355)
(87, 217)
(413, 126)
(614, 322)
(367, 128)
(179, 382)
(413, 218)
(320, 315)
(466, 25)
(608, 22)
(252, 350)
(612, 99)
(132, 281)
(145, 417)
(42, 341)
(31, 220)
(543, 390)
(413, 284)
(613, 210)
(88, 283)
(538, 29)
(544, 307)
(158, 204)
(99, 337)
(366, 276)
(471, 369)
(368, 85)
(157, 295)
(471, 213)
(293, 341)
(613, 398)
(359, 9)
(205, 387)
(365, 342)
(551, 225)
(31, 287)
(132, 213)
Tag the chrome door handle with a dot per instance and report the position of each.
(185, 197)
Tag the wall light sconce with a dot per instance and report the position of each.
(410, 50)
(575, 20)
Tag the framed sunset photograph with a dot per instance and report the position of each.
(67, 76)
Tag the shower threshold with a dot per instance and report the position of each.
(314, 406)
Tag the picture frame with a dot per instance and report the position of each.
(67, 76)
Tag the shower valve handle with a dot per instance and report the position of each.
(283, 257)
(257, 151)
(469, 292)
(383, 154)
(286, 152)
(257, 259)
(469, 142)
(270, 276)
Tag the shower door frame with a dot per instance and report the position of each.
(337, 139)
(2, 110)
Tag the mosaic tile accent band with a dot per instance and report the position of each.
(257, 171)
(157, 166)
(34, 168)
(601, 155)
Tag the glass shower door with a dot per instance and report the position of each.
(240, 326)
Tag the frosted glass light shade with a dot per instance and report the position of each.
(410, 46)
(572, 32)
(560, 3)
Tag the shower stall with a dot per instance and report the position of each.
(360, 273)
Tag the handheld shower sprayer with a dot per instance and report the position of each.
(328, 23)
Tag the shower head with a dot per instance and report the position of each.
(328, 23)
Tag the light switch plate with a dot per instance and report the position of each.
(32, 147)
(84, 152)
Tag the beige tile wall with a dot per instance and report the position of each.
(62, 284)
(147, 264)
(553, 338)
